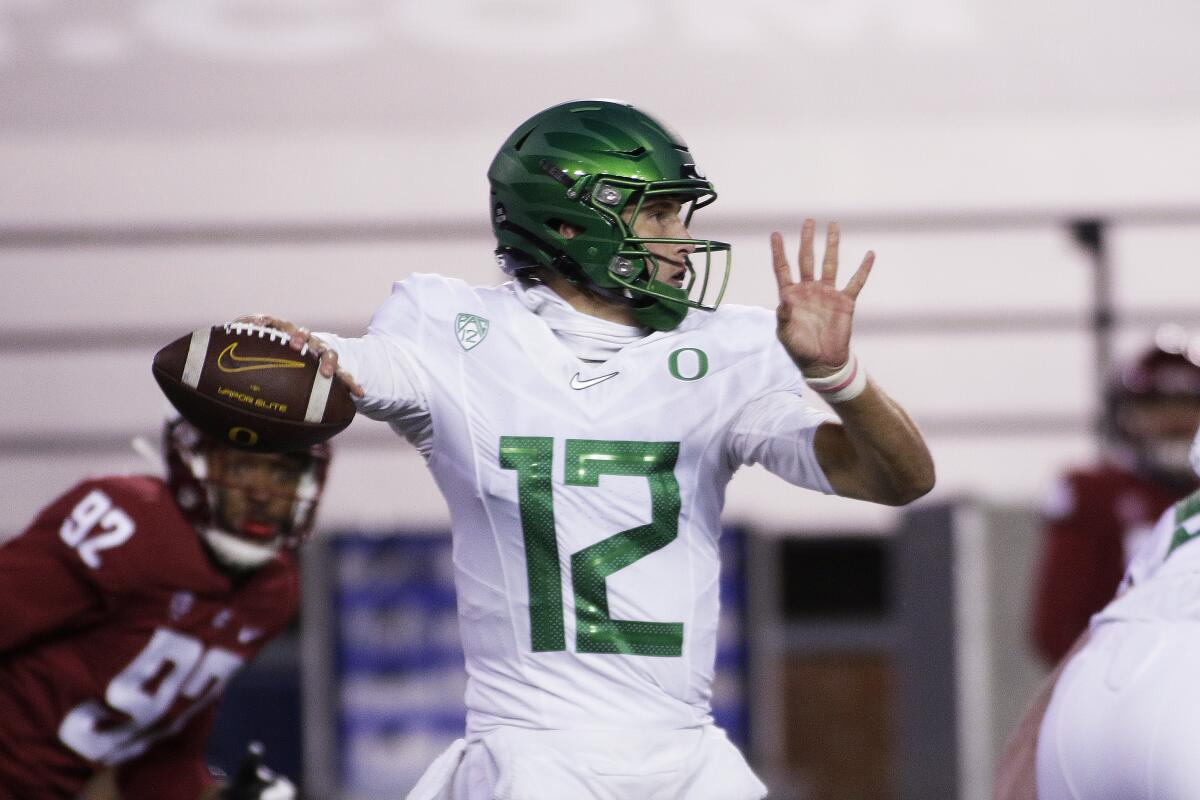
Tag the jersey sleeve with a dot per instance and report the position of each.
(777, 426)
(44, 584)
(174, 767)
(777, 431)
(386, 363)
(1081, 564)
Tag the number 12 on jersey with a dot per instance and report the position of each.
(587, 459)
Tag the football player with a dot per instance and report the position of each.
(127, 606)
(1096, 516)
(1115, 719)
(583, 421)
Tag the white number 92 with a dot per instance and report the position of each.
(96, 511)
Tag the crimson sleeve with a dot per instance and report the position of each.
(43, 587)
(174, 767)
(1081, 565)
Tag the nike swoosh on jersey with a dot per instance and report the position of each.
(229, 361)
(580, 383)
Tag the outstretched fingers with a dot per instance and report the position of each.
(829, 265)
(859, 279)
(807, 261)
(807, 232)
(783, 272)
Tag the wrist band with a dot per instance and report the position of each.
(846, 384)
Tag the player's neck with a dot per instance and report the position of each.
(589, 304)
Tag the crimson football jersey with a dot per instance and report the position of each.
(117, 634)
(1094, 523)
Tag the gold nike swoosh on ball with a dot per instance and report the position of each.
(229, 361)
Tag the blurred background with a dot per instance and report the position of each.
(1025, 171)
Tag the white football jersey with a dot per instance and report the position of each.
(585, 499)
(1163, 580)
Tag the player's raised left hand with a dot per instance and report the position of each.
(814, 315)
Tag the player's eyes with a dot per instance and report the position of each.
(285, 476)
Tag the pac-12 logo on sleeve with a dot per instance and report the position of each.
(471, 330)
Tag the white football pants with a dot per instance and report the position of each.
(1124, 719)
(522, 764)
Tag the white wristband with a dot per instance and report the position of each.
(846, 384)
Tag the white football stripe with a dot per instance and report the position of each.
(197, 349)
(318, 398)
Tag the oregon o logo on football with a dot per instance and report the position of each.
(691, 367)
(243, 436)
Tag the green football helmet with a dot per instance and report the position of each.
(584, 163)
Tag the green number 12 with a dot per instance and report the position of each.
(587, 460)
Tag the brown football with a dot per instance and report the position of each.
(242, 384)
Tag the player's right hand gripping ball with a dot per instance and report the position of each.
(242, 384)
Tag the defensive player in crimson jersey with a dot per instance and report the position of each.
(127, 606)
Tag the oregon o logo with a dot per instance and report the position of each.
(243, 436)
(688, 364)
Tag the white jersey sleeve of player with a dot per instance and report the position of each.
(777, 431)
(776, 428)
(385, 363)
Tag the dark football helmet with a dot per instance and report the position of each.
(206, 496)
(593, 164)
(1156, 407)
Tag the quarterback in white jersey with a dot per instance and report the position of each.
(583, 421)
(1117, 719)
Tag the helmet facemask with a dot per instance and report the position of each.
(1155, 407)
(254, 536)
(634, 272)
